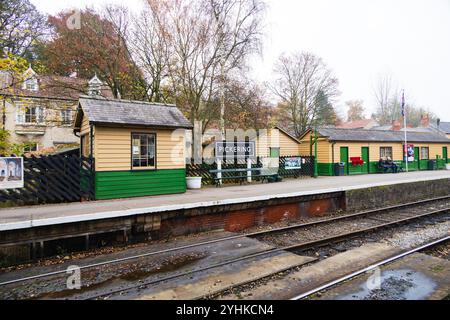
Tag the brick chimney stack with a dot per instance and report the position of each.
(396, 125)
(425, 121)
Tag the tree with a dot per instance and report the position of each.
(301, 79)
(355, 110)
(206, 41)
(149, 45)
(21, 25)
(386, 95)
(247, 105)
(98, 47)
(326, 114)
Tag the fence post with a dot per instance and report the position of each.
(249, 172)
(219, 174)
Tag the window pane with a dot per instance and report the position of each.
(143, 150)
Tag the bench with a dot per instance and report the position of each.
(385, 166)
(241, 174)
(357, 161)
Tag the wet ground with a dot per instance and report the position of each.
(416, 277)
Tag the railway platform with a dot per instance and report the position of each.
(232, 209)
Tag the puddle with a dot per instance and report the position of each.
(400, 284)
(169, 265)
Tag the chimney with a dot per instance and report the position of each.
(396, 125)
(425, 121)
(95, 86)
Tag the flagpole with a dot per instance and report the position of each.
(405, 151)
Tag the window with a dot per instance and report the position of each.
(31, 84)
(424, 153)
(143, 146)
(66, 116)
(386, 152)
(30, 147)
(274, 152)
(30, 115)
(85, 145)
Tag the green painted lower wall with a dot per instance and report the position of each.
(127, 184)
(325, 169)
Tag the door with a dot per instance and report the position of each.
(416, 158)
(365, 158)
(344, 158)
(445, 154)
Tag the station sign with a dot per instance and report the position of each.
(235, 150)
(11, 172)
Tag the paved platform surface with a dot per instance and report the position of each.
(44, 215)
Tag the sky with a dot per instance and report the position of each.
(359, 40)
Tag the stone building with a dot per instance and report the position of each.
(39, 110)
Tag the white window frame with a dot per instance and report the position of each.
(30, 84)
(37, 147)
(427, 157)
(63, 117)
(21, 115)
(136, 150)
(385, 156)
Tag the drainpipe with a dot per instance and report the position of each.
(332, 152)
(91, 140)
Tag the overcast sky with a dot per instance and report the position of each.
(359, 40)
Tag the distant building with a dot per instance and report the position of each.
(359, 124)
(39, 111)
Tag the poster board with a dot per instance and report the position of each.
(11, 172)
(409, 151)
(293, 163)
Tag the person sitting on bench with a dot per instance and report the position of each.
(392, 165)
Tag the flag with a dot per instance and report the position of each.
(403, 104)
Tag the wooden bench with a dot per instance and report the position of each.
(241, 174)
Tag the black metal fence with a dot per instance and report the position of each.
(306, 168)
(53, 179)
(203, 170)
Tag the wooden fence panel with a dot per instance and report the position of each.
(53, 179)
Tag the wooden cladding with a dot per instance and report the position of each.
(112, 148)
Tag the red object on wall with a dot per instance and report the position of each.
(357, 161)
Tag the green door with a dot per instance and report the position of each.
(445, 154)
(416, 158)
(365, 158)
(344, 158)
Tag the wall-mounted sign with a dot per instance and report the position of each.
(235, 150)
(293, 163)
(11, 173)
(410, 152)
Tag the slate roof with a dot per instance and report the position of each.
(134, 113)
(334, 134)
(50, 86)
(445, 126)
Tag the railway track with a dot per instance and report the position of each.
(370, 221)
(370, 268)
